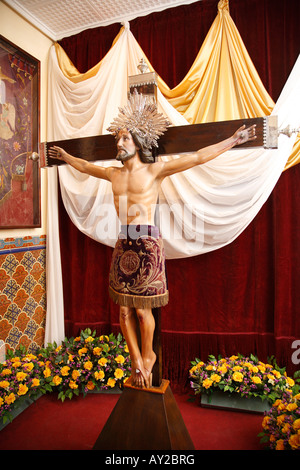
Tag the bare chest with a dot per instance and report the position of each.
(134, 185)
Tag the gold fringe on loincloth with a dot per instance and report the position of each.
(139, 301)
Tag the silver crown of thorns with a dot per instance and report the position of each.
(140, 117)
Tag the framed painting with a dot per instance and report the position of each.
(20, 199)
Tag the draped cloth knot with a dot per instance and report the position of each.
(223, 5)
(126, 25)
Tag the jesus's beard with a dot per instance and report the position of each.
(123, 155)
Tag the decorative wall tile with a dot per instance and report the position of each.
(23, 292)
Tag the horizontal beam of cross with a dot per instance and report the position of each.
(176, 140)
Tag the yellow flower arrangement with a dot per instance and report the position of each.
(57, 380)
(89, 339)
(237, 377)
(99, 375)
(9, 399)
(118, 373)
(73, 385)
(111, 382)
(23, 389)
(246, 376)
(97, 351)
(28, 366)
(103, 361)
(22, 376)
(215, 378)
(64, 371)
(47, 372)
(249, 377)
(4, 384)
(207, 383)
(90, 385)
(120, 359)
(78, 365)
(281, 425)
(86, 363)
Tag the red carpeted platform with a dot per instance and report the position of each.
(49, 424)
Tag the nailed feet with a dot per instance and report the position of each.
(141, 371)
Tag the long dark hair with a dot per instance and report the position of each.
(145, 153)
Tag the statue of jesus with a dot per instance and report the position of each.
(137, 280)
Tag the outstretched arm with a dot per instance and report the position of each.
(79, 164)
(241, 136)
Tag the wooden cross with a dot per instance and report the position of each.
(176, 140)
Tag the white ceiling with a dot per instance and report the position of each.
(61, 18)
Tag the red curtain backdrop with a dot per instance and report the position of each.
(243, 298)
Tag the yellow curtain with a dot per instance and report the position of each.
(68, 68)
(294, 158)
(221, 85)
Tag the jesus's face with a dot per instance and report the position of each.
(126, 146)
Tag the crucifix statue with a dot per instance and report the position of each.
(137, 280)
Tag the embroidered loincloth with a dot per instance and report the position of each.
(137, 274)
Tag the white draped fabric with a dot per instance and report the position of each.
(201, 209)
(54, 329)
